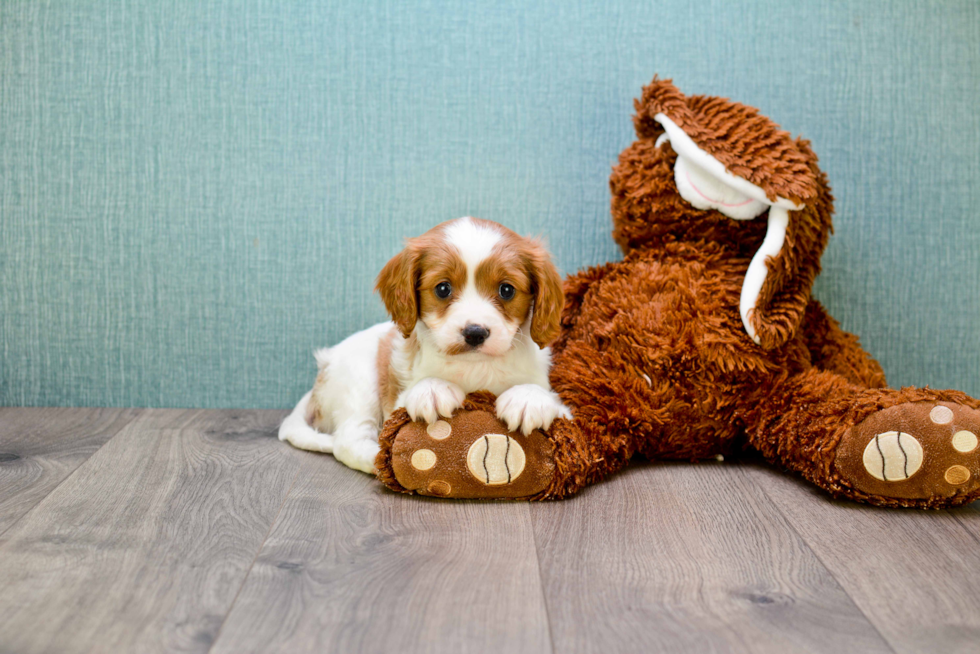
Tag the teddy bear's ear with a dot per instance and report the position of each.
(659, 97)
(782, 298)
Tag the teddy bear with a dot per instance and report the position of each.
(704, 340)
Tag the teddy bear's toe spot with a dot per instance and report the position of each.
(495, 459)
(440, 488)
(964, 441)
(957, 475)
(423, 459)
(893, 456)
(941, 415)
(439, 430)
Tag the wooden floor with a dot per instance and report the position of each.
(197, 531)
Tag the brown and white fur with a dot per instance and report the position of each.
(481, 336)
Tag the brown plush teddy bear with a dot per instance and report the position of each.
(704, 340)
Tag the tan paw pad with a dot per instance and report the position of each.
(964, 441)
(495, 459)
(439, 430)
(941, 415)
(957, 475)
(423, 459)
(893, 456)
(439, 488)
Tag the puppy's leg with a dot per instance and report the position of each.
(356, 443)
(431, 398)
(347, 397)
(357, 415)
(346, 390)
(528, 407)
(296, 431)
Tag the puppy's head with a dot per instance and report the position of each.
(473, 284)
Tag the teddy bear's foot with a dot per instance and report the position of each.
(914, 454)
(471, 455)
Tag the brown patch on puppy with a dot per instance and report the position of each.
(440, 263)
(314, 412)
(396, 284)
(526, 265)
(549, 296)
(407, 282)
(457, 349)
(506, 265)
(388, 386)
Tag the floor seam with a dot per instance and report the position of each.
(71, 474)
(963, 525)
(544, 595)
(817, 556)
(258, 553)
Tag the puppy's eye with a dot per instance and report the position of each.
(506, 292)
(444, 290)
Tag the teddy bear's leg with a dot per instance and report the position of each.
(909, 447)
(833, 349)
(474, 455)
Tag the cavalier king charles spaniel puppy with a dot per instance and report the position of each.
(474, 306)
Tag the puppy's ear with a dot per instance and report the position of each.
(549, 297)
(397, 284)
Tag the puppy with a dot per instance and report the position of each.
(473, 306)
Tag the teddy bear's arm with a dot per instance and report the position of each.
(833, 349)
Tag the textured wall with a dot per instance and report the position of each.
(195, 195)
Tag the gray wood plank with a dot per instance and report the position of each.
(914, 574)
(687, 558)
(40, 447)
(144, 548)
(352, 567)
(969, 519)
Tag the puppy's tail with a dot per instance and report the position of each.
(296, 430)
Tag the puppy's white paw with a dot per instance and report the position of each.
(433, 397)
(528, 407)
(355, 444)
(356, 453)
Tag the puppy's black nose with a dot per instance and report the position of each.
(475, 334)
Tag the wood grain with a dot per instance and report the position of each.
(687, 558)
(144, 548)
(196, 531)
(969, 518)
(40, 447)
(352, 567)
(914, 574)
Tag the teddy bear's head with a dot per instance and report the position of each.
(715, 173)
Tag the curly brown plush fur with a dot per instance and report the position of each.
(653, 358)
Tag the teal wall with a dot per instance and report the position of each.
(195, 195)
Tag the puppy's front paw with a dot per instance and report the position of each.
(433, 397)
(528, 407)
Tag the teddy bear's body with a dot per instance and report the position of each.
(704, 339)
(680, 386)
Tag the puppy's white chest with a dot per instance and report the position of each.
(469, 375)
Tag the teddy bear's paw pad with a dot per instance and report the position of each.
(495, 459)
(914, 451)
(473, 455)
(892, 456)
